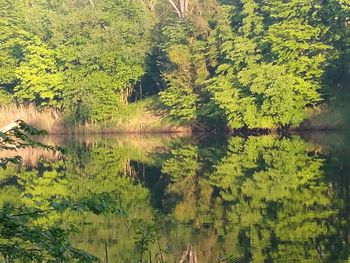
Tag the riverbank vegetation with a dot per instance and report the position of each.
(213, 64)
(137, 117)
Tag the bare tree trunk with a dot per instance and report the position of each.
(106, 253)
(189, 256)
(186, 7)
(125, 95)
(141, 91)
(182, 7)
(176, 8)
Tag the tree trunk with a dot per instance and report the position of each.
(182, 7)
(177, 10)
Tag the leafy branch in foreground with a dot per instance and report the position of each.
(18, 135)
(21, 236)
(21, 239)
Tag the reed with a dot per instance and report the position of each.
(135, 118)
(41, 119)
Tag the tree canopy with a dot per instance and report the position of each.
(241, 64)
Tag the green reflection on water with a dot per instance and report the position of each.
(253, 199)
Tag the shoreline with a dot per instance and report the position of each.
(189, 131)
(96, 130)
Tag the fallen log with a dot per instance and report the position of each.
(10, 126)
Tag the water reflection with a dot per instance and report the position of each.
(254, 199)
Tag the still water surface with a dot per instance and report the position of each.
(205, 199)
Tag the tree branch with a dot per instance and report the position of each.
(92, 3)
(176, 8)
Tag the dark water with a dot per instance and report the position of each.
(204, 199)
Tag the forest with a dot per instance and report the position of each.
(233, 64)
(80, 80)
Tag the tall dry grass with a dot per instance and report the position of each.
(41, 119)
(135, 118)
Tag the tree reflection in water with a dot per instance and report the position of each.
(259, 198)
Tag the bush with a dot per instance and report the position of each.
(5, 98)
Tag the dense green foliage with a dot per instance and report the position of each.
(268, 73)
(239, 63)
(74, 55)
(260, 64)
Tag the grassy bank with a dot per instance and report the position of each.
(140, 118)
(136, 117)
(48, 120)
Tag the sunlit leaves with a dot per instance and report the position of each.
(272, 68)
(40, 80)
(102, 54)
(79, 58)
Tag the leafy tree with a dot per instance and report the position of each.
(5, 98)
(29, 70)
(39, 78)
(270, 66)
(100, 69)
(84, 57)
(180, 97)
(13, 39)
(184, 70)
(335, 15)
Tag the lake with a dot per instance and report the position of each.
(205, 198)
